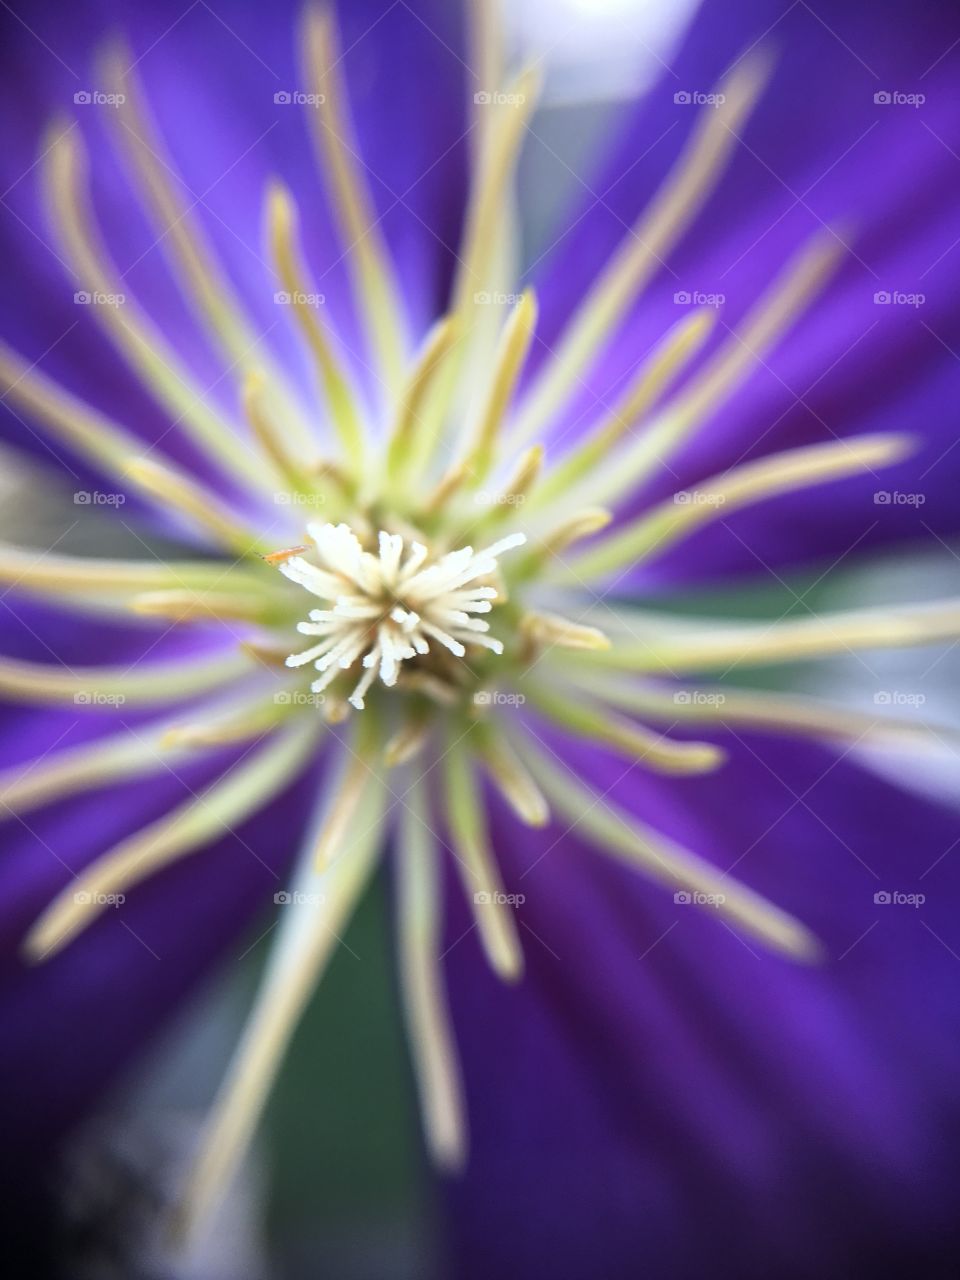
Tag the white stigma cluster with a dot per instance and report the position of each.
(389, 607)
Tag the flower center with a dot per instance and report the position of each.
(393, 607)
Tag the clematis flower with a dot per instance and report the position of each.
(270, 297)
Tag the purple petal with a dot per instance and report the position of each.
(660, 1092)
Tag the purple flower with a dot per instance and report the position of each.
(407, 521)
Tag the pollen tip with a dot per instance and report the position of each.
(901, 445)
(703, 757)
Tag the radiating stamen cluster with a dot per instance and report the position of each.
(388, 607)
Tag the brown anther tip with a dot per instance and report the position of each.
(279, 557)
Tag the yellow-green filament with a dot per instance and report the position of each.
(720, 645)
(513, 780)
(478, 869)
(707, 391)
(46, 572)
(514, 345)
(367, 258)
(288, 257)
(196, 503)
(226, 803)
(421, 984)
(635, 843)
(151, 684)
(717, 497)
(753, 709)
(133, 333)
(643, 249)
(634, 741)
(309, 931)
(493, 175)
(667, 360)
(411, 438)
(197, 270)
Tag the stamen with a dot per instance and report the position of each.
(310, 927)
(756, 709)
(477, 867)
(668, 359)
(387, 608)
(514, 345)
(712, 386)
(195, 502)
(410, 441)
(47, 572)
(358, 778)
(149, 685)
(623, 837)
(546, 629)
(209, 606)
(410, 739)
(271, 438)
(201, 281)
(133, 333)
(220, 731)
(345, 415)
(514, 493)
(718, 645)
(227, 802)
(718, 496)
(65, 416)
(582, 525)
(632, 740)
(428, 1021)
(513, 779)
(495, 168)
(82, 768)
(643, 250)
(367, 258)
